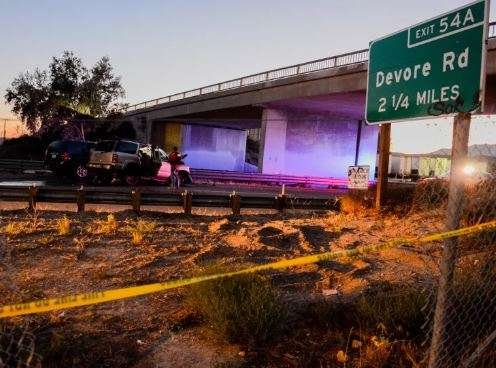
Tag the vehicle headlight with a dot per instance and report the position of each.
(469, 169)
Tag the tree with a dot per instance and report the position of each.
(65, 92)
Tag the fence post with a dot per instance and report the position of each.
(459, 150)
(136, 200)
(281, 199)
(32, 190)
(80, 199)
(187, 202)
(280, 202)
(235, 202)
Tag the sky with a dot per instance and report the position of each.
(160, 47)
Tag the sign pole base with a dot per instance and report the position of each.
(383, 167)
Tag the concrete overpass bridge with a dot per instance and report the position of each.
(302, 119)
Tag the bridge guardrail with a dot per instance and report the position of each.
(270, 75)
(137, 197)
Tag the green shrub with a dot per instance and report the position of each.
(245, 308)
(396, 308)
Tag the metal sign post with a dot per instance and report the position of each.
(383, 167)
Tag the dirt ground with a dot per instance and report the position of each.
(159, 330)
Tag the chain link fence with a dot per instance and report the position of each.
(18, 346)
(460, 330)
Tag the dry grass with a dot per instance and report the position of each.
(105, 227)
(393, 309)
(430, 194)
(375, 354)
(146, 226)
(137, 237)
(356, 201)
(140, 231)
(245, 308)
(14, 229)
(63, 226)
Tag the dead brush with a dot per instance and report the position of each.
(13, 229)
(356, 201)
(140, 230)
(430, 194)
(375, 354)
(80, 244)
(104, 227)
(136, 237)
(63, 226)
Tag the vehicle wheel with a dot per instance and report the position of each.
(81, 172)
(174, 181)
(184, 178)
(131, 180)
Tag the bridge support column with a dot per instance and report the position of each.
(272, 142)
(143, 128)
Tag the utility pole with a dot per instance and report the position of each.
(4, 135)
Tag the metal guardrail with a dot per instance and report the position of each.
(219, 176)
(270, 75)
(138, 197)
(20, 165)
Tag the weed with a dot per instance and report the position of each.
(80, 246)
(136, 237)
(245, 308)
(480, 204)
(375, 355)
(356, 201)
(140, 230)
(106, 227)
(392, 308)
(430, 194)
(14, 228)
(474, 291)
(145, 226)
(63, 226)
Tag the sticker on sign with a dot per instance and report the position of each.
(358, 177)
(433, 68)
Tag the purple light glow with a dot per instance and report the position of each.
(214, 148)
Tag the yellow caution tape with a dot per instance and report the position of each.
(77, 300)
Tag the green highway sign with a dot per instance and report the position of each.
(434, 68)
